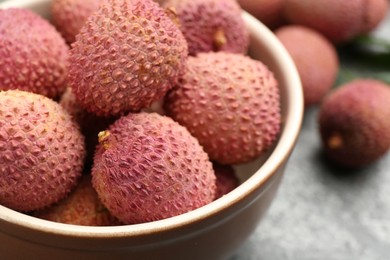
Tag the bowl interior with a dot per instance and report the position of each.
(264, 47)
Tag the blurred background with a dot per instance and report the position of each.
(323, 211)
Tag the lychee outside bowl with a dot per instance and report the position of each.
(213, 232)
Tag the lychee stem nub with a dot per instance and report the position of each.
(103, 138)
(219, 39)
(335, 141)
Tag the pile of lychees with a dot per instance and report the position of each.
(353, 118)
(140, 118)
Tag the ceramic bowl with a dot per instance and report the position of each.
(214, 231)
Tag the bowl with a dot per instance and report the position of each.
(214, 231)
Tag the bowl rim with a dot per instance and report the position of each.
(281, 152)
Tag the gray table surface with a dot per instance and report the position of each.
(322, 212)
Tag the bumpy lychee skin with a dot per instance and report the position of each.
(89, 123)
(148, 168)
(33, 55)
(354, 123)
(82, 207)
(128, 55)
(375, 14)
(226, 179)
(159, 1)
(41, 151)
(340, 21)
(315, 58)
(211, 25)
(70, 15)
(230, 103)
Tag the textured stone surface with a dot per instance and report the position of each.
(322, 212)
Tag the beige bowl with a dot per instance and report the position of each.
(213, 232)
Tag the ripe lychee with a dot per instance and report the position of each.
(269, 12)
(41, 151)
(315, 58)
(340, 21)
(127, 55)
(211, 25)
(70, 15)
(81, 207)
(226, 179)
(159, 1)
(230, 103)
(148, 167)
(33, 55)
(375, 14)
(354, 122)
(89, 123)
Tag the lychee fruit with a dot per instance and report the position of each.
(127, 55)
(159, 1)
(315, 58)
(69, 16)
(89, 123)
(156, 107)
(269, 12)
(354, 122)
(375, 14)
(226, 179)
(211, 25)
(148, 167)
(33, 55)
(230, 103)
(340, 21)
(81, 207)
(41, 151)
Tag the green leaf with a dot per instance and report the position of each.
(362, 58)
(373, 42)
(346, 74)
